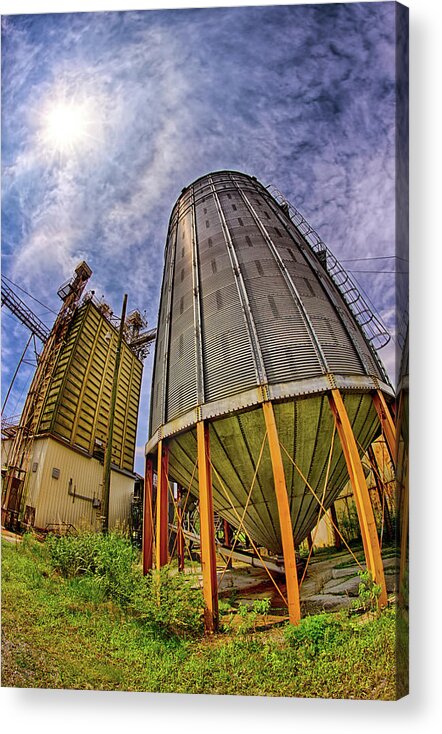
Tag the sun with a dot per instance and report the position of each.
(66, 126)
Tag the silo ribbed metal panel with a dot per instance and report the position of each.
(247, 309)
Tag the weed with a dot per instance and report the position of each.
(168, 604)
(368, 594)
(164, 600)
(250, 614)
(313, 634)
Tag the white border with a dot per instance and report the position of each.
(70, 711)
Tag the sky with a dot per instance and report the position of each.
(107, 116)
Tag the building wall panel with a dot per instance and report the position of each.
(51, 498)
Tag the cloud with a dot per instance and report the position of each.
(300, 96)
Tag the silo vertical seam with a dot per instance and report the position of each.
(242, 292)
(166, 360)
(197, 309)
(325, 283)
(286, 275)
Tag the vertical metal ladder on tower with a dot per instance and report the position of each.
(373, 328)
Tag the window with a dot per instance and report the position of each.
(183, 234)
(205, 210)
(182, 275)
(292, 254)
(214, 268)
(209, 242)
(278, 232)
(207, 224)
(219, 300)
(234, 207)
(259, 267)
(258, 202)
(267, 215)
(229, 196)
(241, 222)
(249, 241)
(182, 304)
(182, 252)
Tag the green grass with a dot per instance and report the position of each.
(74, 631)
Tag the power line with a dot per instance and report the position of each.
(379, 272)
(30, 296)
(381, 257)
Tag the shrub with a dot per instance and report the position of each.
(168, 604)
(249, 614)
(163, 600)
(314, 633)
(368, 593)
(110, 558)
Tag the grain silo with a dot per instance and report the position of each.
(55, 466)
(265, 389)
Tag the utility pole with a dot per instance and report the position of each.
(108, 454)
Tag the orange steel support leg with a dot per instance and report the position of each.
(148, 517)
(362, 498)
(162, 555)
(386, 421)
(207, 528)
(180, 534)
(288, 546)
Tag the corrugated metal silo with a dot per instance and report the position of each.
(249, 316)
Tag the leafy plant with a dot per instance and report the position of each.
(249, 614)
(368, 593)
(163, 600)
(313, 634)
(109, 558)
(168, 604)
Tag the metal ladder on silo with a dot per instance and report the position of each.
(374, 330)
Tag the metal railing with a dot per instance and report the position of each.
(371, 324)
(23, 312)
